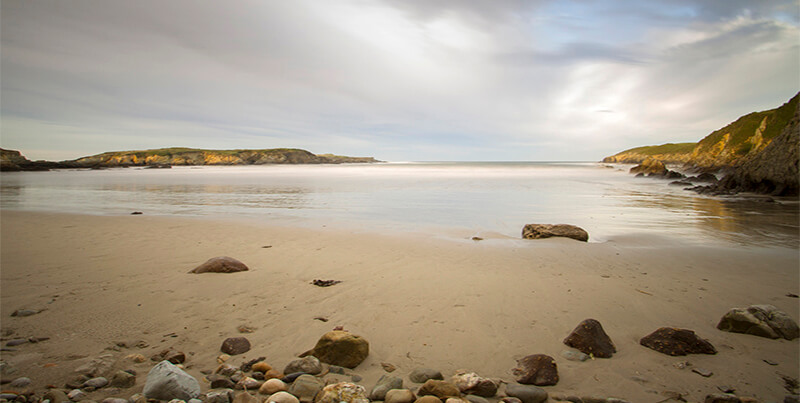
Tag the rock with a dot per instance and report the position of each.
(356, 378)
(244, 397)
(344, 392)
(137, 358)
(650, 166)
(791, 399)
(680, 183)
(590, 338)
(77, 395)
(248, 366)
(262, 367)
(674, 175)
(537, 369)
(428, 399)
(220, 382)
(475, 399)
(20, 382)
(760, 320)
(123, 379)
(166, 382)
(440, 389)
(340, 348)
(471, 383)
(721, 398)
(325, 283)
(421, 375)
(8, 396)
(388, 367)
(540, 231)
(574, 355)
(220, 264)
(305, 387)
(16, 342)
(510, 399)
(674, 341)
(702, 372)
(97, 366)
(235, 345)
(24, 312)
(307, 365)
(237, 376)
(385, 384)
(115, 400)
(248, 383)
(96, 383)
(219, 396)
(173, 356)
(55, 396)
(281, 397)
(273, 386)
(273, 373)
(226, 370)
(703, 177)
(292, 377)
(400, 396)
(138, 398)
(526, 393)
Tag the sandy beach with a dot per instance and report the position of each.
(419, 300)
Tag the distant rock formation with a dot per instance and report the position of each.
(11, 160)
(758, 153)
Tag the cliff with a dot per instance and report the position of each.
(741, 140)
(11, 160)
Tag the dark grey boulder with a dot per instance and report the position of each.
(166, 382)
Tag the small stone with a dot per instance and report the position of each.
(226, 370)
(526, 393)
(681, 364)
(428, 399)
(702, 372)
(475, 399)
(123, 379)
(20, 382)
(56, 396)
(194, 400)
(356, 378)
(760, 320)
(174, 356)
(8, 396)
(421, 375)
(440, 389)
(385, 384)
(220, 382)
(248, 383)
(248, 366)
(96, 383)
(273, 386)
(574, 355)
(537, 369)
(292, 377)
(137, 358)
(721, 398)
(219, 396)
(388, 367)
(726, 388)
(244, 397)
(540, 231)
(245, 329)
(138, 398)
(114, 400)
(335, 369)
(307, 365)
(282, 397)
(16, 342)
(273, 373)
(342, 392)
(258, 375)
(305, 387)
(77, 395)
(24, 312)
(222, 358)
(770, 362)
(262, 367)
(235, 345)
(471, 383)
(237, 376)
(510, 399)
(400, 396)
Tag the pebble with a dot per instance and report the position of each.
(96, 383)
(574, 355)
(114, 400)
(527, 393)
(77, 395)
(356, 378)
(123, 379)
(24, 312)
(248, 383)
(400, 396)
(8, 396)
(273, 386)
(262, 367)
(421, 375)
(16, 342)
(235, 345)
(222, 358)
(219, 396)
(702, 372)
(137, 358)
(21, 382)
(56, 396)
(281, 397)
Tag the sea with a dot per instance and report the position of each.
(448, 199)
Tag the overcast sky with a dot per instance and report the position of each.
(395, 79)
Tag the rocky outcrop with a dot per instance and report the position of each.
(650, 166)
(539, 231)
(760, 320)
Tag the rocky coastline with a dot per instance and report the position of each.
(12, 160)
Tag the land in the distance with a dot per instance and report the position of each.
(11, 160)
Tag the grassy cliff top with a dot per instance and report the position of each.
(669, 148)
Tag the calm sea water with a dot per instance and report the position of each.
(476, 198)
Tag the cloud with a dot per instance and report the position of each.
(404, 80)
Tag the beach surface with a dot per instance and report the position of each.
(420, 300)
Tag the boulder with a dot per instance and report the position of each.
(399, 396)
(440, 389)
(220, 264)
(760, 320)
(536, 369)
(235, 345)
(471, 383)
(421, 375)
(590, 338)
(281, 397)
(539, 231)
(650, 166)
(674, 341)
(385, 384)
(166, 382)
(526, 393)
(340, 347)
(307, 365)
(305, 387)
(344, 392)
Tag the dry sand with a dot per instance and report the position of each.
(419, 301)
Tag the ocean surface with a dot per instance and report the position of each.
(478, 199)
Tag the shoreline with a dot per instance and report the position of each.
(420, 301)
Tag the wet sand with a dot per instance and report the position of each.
(419, 300)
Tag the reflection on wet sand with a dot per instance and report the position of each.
(745, 220)
(251, 196)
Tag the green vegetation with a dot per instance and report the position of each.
(669, 148)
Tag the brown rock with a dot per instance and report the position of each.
(235, 345)
(650, 166)
(273, 373)
(440, 389)
(340, 347)
(262, 367)
(221, 264)
(428, 399)
(537, 369)
(590, 338)
(539, 231)
(674, 341)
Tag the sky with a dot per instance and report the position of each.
(399, 80)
